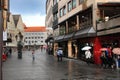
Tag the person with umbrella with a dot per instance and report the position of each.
(106, 57)
(88, 56)
(116, 52)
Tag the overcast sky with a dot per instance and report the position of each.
(32, 11)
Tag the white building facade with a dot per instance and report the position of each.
(35, 36)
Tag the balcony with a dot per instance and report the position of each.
(110, 26)
(86, 24)
(55, 8)
(55, 23)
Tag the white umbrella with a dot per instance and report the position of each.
(86, 48)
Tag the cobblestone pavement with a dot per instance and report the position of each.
(46, 67)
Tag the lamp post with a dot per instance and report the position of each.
(51, 46)
(1, 44)
(1, 36)
(20, 45)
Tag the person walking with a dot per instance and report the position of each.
(103, 60)
(59, 54)
(88, 56)
(33, 55)
(10, 51)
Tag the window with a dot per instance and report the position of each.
(62, 30)
(55, 16)
(73, 3)
(64, 10)
(81, 1)
(55, 2)
(61, 12)
(70, 6)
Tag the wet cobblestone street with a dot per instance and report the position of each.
(46, 67)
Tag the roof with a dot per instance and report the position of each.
(36, 29)
(25, 27)
(16, 18)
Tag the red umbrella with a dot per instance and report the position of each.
(103, 49)
(116, 51)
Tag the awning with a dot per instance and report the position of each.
(59, 38)
(49, 38)
(11, 45)
(55, 38)
(69, 36)
(87, 32)
(8, 40)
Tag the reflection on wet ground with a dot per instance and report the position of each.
(89, 72)
(46, 67)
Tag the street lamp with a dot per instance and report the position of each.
(1, 43)
(51, 45)
(20, 45)
(1, 36)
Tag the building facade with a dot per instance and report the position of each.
(49, 16)
(77, 23)
(19, 25)
(15, 27)
(35, 36)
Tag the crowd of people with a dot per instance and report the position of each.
(7, 52)
(108, 58)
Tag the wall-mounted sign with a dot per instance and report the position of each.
(4, 35)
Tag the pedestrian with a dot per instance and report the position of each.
(118, 61)
(59, 54)
(88, 56)
(103, 59)
(33, 55)
(10, 51)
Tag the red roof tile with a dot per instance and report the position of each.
(36, 29)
